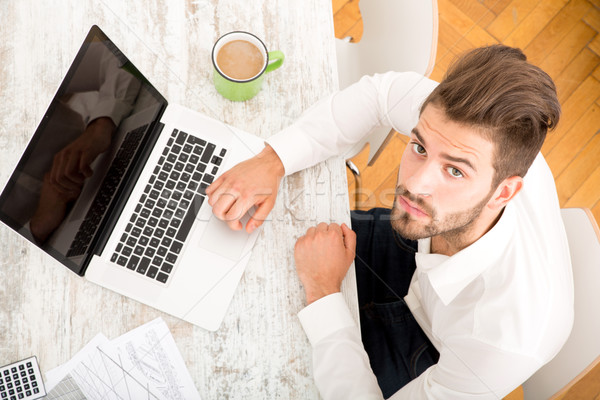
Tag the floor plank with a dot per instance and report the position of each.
(572, 110)
(523, 34)
(566, 50)
(570, 145)
(509, 19)
(576, 173)
(570, 79)
(555, 29)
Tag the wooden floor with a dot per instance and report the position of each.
(560, 36)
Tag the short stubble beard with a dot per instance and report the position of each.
(453, 227)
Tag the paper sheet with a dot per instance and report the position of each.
(143, 363)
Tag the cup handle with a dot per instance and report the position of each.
(275, 60)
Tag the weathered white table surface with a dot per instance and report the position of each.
(260, 351)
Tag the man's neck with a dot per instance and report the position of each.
(450, 243)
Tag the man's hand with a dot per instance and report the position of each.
(51, 209)
(71, 165)
(253, 182)
(323, 256)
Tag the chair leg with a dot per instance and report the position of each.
(357, 182)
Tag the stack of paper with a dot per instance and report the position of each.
(141, 364)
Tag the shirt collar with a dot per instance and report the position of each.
(450, 275)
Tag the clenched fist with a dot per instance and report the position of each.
(323, 256)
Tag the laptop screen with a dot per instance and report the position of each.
(80, 156)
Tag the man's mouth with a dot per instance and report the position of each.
(410, 207)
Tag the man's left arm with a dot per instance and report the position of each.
(341, 365)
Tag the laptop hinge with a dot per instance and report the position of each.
(114, 212)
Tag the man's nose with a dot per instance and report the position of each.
(423, 180)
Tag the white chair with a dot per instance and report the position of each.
(398, 35)
(582, 350)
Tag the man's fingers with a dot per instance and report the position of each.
(260, 215)
(222, 204)
(212, 188)
(236, 212)
(336, 228)
(349, 239)
(85, 163)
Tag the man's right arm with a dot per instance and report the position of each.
(329, 128)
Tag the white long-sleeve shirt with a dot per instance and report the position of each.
(496, 311)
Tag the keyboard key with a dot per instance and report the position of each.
(143, 266)
(157, 260)
(181, 137)
(190, 216)
(208, 152)
(152, 271)
(171, 258)
(176, 247)
(133, 263)
(162, 277)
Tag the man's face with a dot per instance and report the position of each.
(444, 180)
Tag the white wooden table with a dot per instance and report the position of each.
(260, 351)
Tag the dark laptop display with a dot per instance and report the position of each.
(103, 114)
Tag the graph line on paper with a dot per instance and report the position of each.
(100, 377)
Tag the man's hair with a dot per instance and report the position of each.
(510, 101)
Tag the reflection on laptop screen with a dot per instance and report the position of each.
(81, 154)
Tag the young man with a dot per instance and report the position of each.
(465, 286)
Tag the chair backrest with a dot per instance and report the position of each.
(398, 35)
(581, 352)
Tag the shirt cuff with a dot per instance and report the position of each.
(114, 109)
(325, 316)
(290, 145)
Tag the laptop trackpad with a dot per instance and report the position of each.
(220, 239)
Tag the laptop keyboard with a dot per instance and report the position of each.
(156, 231)
(111, 182)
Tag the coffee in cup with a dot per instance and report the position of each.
(240, 61)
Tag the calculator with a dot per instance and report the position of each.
(21, 380)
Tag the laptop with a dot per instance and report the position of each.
(140, 225)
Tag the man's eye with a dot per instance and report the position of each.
(419, 149)
(454, 172)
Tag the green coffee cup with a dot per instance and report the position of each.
(240, 74)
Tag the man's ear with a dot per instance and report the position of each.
(505, 192)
